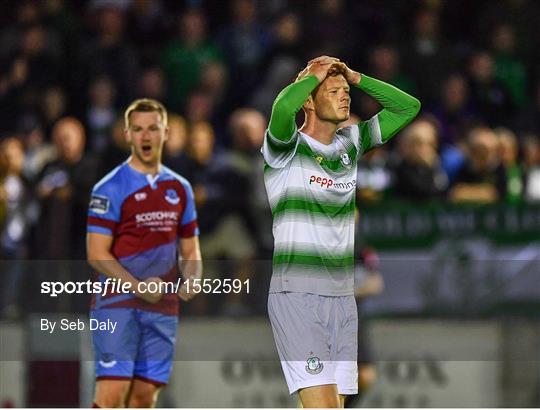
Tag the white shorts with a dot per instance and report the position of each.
(316, 339)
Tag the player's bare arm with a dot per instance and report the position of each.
(190, 265)
(98, 250)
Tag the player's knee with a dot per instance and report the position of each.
(320, 397)
(112, 397)
(140, 399)
(366, 377)
(331, 402)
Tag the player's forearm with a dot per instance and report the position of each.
(287, 104)
(191, 265)
(399, 108)
(108, 265)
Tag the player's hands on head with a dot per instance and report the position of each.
(339, 67)
(318, 67)
(147, 294)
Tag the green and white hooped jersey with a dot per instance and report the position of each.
(311, 189)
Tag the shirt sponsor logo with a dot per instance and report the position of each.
(323, 182)
(172, 197)
(140, 196)
(99, 204)
(327, 183)
(156, 216)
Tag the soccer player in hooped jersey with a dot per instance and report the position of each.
(310, 177)
(141, 216)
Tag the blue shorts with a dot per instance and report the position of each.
(141, 346)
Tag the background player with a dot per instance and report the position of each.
(310, 177)
(368, 282)
(140, 215)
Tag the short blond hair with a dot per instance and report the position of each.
(145, 105)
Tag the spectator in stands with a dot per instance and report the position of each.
(482, 178)
(63, 188)
(328, 23)
(426, 55)
(184, 58)
(528, 119)
(53, 106)
(100, 114)
(283, 62)
(220, 195)
(385, 65)
(116, 151)
(531, 164)
(247, 127)
(152, 84)
(418, 175)
(214, 83)
(245, 41)
(146, 27)
(509, 69)
(508, 152)
(38, 151)
(175, 156)
(26, 73)
(200, 107)
(16, 193)
(489, 96)
(110, 53)
(453, 111)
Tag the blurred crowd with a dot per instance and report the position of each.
(68, 69)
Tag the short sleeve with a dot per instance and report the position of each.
(188, 224)
(103, 210)
(370, 134)
(278, 153)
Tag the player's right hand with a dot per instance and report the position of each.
(318, 67)
(147, 295)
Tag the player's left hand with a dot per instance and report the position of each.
(184, 294)
(352, 77)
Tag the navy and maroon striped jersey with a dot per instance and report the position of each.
(147, 216)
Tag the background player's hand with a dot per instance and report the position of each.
(339, 67)
(318, 67)
(147, 295)
(184, 294)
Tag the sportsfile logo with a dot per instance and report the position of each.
(328, 183)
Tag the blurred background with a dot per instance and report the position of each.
(449, 211)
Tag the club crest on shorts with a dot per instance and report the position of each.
(107, 360)
(172, 197)
(345, 159)
(314, 365)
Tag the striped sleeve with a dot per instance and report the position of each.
(277, 153)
